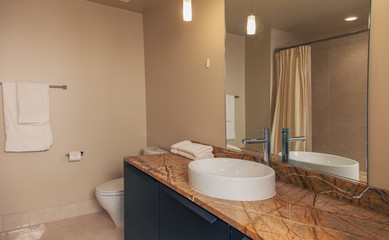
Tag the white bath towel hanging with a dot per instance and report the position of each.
(22, 137)
(33, 102)
(230, 117)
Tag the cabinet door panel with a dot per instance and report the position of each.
(237, 235)
(181, 219)
(141, 205)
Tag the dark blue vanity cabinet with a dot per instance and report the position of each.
(141, 205)
(182, 219)
(154, 211)
(237, 235)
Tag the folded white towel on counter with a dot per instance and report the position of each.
(191, 150)
(187, 155)
(196, 149)
(22, 137)
(181, 144)
(175, 151)
(33, 102)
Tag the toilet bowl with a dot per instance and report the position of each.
(110, 195)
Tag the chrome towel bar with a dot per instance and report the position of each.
(64, 87)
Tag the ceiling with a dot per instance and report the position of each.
(139, 6)
(309, 17)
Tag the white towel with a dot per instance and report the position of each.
(180, 144)
(22, 137)
(196, 150)
(230, 117)
(187, 155)
(191, 150)
(33, 102)
(232, 147)
(175, 151)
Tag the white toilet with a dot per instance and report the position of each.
(153, 150)
(110, 194)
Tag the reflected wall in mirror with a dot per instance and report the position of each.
(305, 69)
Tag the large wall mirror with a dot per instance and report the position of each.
(305, 69)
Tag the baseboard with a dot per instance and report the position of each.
(25, 219)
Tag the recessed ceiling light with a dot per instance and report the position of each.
(125, 1)
(350, 19)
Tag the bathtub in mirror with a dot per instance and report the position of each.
(325, 100)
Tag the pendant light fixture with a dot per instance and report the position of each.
(250, 22)
(351, 18)
(187, 10)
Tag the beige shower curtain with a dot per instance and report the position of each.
(293, 98)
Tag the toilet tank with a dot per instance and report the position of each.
(153, 150)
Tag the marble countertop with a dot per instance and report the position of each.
(294, 213)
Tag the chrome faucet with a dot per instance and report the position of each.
(285, 143)
(266, 141)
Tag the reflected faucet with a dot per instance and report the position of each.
(266, 141)
(285, 143)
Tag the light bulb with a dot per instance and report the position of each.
(251, 24)
(351, 18)
(187, 10)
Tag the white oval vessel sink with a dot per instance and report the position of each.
(328, 163)
(232, 179)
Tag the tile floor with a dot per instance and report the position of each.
(96, 226)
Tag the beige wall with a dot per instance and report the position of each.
(378, 96)
(184, 99)
(339, 97)
(98, 52)
(235, 83)
(257, 84)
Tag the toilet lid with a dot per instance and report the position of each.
(113, 186)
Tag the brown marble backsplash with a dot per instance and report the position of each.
(356, 193)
